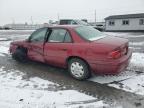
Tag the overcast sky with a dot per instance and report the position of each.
(41, 11)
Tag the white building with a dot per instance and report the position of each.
(129, 22)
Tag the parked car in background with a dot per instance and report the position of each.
(82, 49)
(100, 27)
(1, 28)
(79, 22)
(73, 22)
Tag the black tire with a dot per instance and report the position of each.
(20, 55)
(86, 71)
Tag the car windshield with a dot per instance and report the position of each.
(89, 33)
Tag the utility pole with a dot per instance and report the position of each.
(58, 17)
(13, 21)
(31, 20)
(95, 17)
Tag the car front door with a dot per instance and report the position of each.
(58, 47)
(36, 43)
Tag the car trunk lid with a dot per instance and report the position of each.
(111, 40)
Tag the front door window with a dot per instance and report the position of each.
(39, 35)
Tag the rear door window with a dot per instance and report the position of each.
(59, 35)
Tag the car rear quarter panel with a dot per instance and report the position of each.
(98, 52)
(80, 49)
(88, 52)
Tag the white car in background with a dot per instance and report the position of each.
(78, 22)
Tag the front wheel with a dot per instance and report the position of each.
(78, 69)
(20, 55)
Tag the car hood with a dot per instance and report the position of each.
(18, 42)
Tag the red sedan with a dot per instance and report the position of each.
(81, 49)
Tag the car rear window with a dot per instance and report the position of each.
(89, 33)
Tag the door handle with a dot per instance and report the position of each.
(30, 47)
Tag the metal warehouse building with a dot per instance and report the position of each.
(129, 22)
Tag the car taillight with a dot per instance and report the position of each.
(115, 54)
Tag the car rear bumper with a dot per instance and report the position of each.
(113, 66)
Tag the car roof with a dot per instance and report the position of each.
(66, 19)
(65, 26)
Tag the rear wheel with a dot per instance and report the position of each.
(78, 69)
(20, 55)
